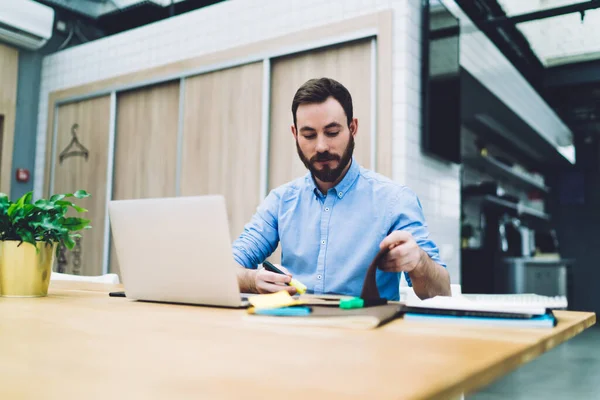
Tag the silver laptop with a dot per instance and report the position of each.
(176, 250)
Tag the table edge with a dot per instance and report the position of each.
(488, 375)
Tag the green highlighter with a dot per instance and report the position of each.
(358, 302)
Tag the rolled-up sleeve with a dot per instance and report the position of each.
(260, 236)
(407, 215)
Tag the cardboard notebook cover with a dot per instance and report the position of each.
(358, 318)
(323, 316)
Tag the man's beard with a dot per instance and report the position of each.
(328, 174)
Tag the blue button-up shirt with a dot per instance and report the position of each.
(328, 241)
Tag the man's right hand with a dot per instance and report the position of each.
(270, 282)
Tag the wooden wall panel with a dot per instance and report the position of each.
(146, 142)
(83, 128)
(9, 66)
(1, 142)
(146, 145)
(350, 64)
(380, 21)
(222, 139)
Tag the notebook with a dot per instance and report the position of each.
(461, 306)
(541, 321)
(521, 311)
(324, 316)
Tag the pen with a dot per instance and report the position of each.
(301, 288)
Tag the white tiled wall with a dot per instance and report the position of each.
(238, 22)
(436, 183)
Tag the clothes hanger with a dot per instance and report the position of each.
(81, 149)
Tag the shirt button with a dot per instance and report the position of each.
(319, 277)
(322, 241)
(326, 208)
(340, 194)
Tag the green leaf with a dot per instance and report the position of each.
(26, 236)
(11, 210)
(48, 225)
(25, 199)
(28, 209)
(69, 242)
(60, 211)
(44, 220)
(17, 215)
(57, 197)
(45, 204)
(69, 204)
(81, 194)
(74, 223)
(4, 201)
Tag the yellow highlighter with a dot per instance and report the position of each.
(300, 287)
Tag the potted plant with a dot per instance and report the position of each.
(30, 235)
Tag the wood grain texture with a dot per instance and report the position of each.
(9, 66)
(220, 354)
(145, 145)
(146, 142)
(77, 172)
(222, 139)
(379, 21)
(1, 141)
(349, 64)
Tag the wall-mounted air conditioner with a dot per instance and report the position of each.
(25, 23)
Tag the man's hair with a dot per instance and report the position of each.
(319, 90)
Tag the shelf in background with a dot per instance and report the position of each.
(520, 209)
(497, 169)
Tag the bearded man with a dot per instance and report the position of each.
(333, 221)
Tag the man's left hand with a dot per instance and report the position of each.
(428, 278)
(405, 255)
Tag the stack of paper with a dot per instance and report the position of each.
(465, 311)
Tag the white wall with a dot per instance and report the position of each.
(436, 183)
(237, 22)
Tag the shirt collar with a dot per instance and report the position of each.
(343, 186)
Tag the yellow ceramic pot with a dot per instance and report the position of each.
(23, 271)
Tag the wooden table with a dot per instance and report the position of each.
(80, 343)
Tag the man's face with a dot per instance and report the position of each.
(324, 140)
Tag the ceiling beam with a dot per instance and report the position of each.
(72, 11)
(509, 39)
(572, 74)
(580, 7)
